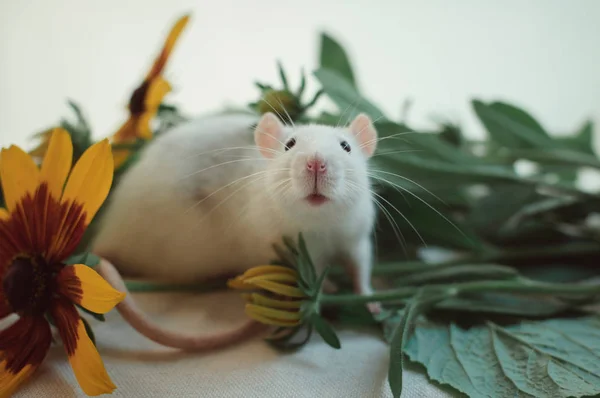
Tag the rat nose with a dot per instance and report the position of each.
(316, 165)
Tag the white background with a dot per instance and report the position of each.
(543, 55)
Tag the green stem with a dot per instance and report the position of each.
(145, 287)
(499, 257)
(523, 285)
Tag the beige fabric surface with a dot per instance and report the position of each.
(141, 368)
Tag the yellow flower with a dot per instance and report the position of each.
(277, 298)
(47, 212)
(145, 100)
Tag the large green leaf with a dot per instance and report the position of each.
(345, 95)
(511, 126)
(582, 141)
(334, 57)
(554, 358)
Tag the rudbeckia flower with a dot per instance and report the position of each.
(277, 298)
(47, 211)
(145, 100)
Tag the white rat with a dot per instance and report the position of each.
(211, 198)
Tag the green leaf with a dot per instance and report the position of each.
(89, 331)
(333, 57)
(307, 270)
(399, 337)
(511, 126)
(345, 96)
(98, 317)
(582, 141)
(553, 358)
(458, 273)
(87, 258)
(421, 302)
(505, 304)
(283, 77)
(325, 330)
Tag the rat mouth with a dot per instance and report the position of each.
(316, 199)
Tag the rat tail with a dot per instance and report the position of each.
(140, 321)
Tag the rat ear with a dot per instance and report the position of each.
(268, 134)
(363, 130)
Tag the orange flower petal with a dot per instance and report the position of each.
(84, 358)
(162, 58)
(4, 214)
(19, 175)
(9, 382)
(57, 162)
(88, 366)
(91, 179)
(86, 287)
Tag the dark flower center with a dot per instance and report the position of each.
(27, 285)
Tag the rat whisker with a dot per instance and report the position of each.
(430, 206)
(250, 147)
(412, 182)
(272, 136)
(388, 137)
(394, 152)
(228, 185)
(353, 105)
(286, 112)
(395, 186)
(273, 108)
(367, 126)
(218, 165)
(403, 216)
(395, 228)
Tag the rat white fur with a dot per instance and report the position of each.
(204, 199)
(211, 197)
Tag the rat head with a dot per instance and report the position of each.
(316, 168)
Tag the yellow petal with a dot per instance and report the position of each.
(87, 288)
(4, 214)
(273, 278)
(237, 283)
(268, 269)
(263, 301)
(253, 313)
(57, 162)
(274, 313)
(157, 90)
(19, 175)
(91, 179)
(9, 381)
(279, 288)
(143, 129)
(88, 366)
(162, 58)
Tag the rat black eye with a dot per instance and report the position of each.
(290, 144)
(345, 146)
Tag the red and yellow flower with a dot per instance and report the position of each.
(275, 298)
(145, 100)
(47, 212)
